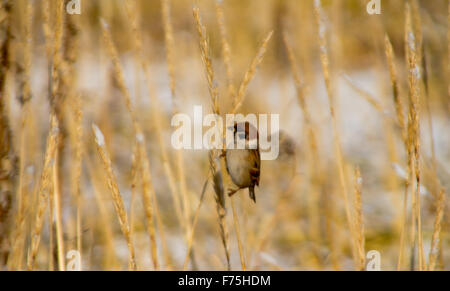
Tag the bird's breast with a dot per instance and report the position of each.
(239, 166)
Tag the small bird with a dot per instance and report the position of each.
(244, 165)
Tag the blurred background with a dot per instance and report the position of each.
(299, 221)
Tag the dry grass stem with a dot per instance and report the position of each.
(226, 51)
(395, 87)
(115, 193)
(169, 46)
(219, 196)
(359, 224)
(147, 183)
(137, 194)
(367, 96)
(45, 186)
(206, 58)
(337, 143)
(194, 225)
(251, 73)
(414, 77)
(214, 159)
(404, 135)
(19, 236)
(156, 118)
(238, 235)
(169, 40)
(440, 207)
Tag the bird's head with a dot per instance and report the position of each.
(244, 130)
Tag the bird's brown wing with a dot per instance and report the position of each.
(255, 171)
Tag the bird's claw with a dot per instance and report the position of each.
(231, 192)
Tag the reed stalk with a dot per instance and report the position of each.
(19, 236)
(147, 182)
(250, 74)
(359, 224)
(214, 155)
(45, 186)
(434, 246)
(116, 196)
(170, 58)
(331, 100)
(226, 50)
(414, 77)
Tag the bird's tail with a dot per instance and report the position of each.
(251, 193)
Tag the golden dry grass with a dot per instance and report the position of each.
(364, 150)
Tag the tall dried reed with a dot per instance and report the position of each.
(45, 186)
(257, 60)
(359, 224)
(310, 215)
(214, 155)
(147, 183)
(324, 58)
(216, 173)
(434, 246)
(170, 58)
(115, 193)
(226, 50)
(7, 155)
(156, 118)
(19, 236)
(414, 126)
(313, 158)
(399, 109)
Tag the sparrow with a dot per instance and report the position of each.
(244, 165)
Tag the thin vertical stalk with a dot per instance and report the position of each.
(169, 45)
(238, 235)
(45, 186)
(434, 246)
(337, 143)
(226, 51)
(58, 214)
(147, 183)
(359, 224)
(156, 118)
(215, 166)
(115, 193)
(414, 77)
